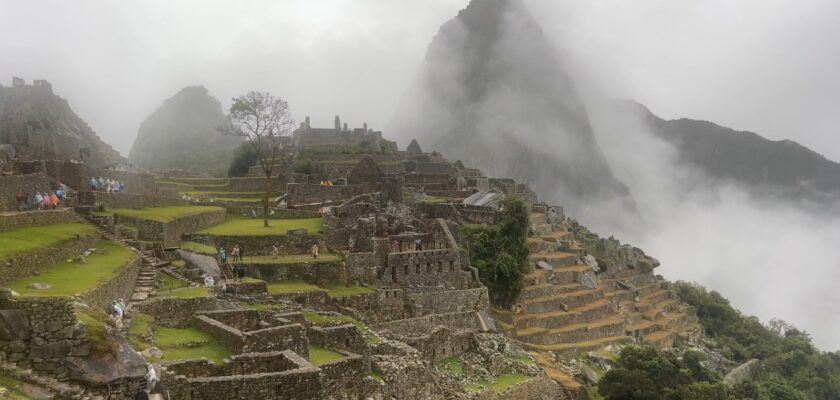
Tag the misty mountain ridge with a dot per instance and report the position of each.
(492, 93)
(781, 169)
(186, 121)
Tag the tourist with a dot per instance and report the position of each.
(19, 200)
(235, 253)
(275, 252)
(151, 377)
(222, 256)
(122, 305)
(122, 186)
(39, 200)
(92, 183)
(241, 253)
(253, 213)
(395, 247)
(26, 203)
(315, 250)
(61, 192)
(209, 281)
(418, 244)
(141, 395)
(45, 200)
(100, 184)
(54, 201)
(350, 244)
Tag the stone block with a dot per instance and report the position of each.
(53, 350)
(14, 325)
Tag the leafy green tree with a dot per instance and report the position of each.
(244, 157)
(627, 384)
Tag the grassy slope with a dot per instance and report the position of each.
(198, 248)
(164, 214)
(70, 278)
(254, 227)
(26, 240)
(319, 355)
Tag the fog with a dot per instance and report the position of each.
(768, 66)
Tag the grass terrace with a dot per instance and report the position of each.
(199, 248)
(27, 240)
(185, 292)
(69, 278)
(293, 259)
(176, 344)
(319, 355)
(499, 383)
(291, 286)
(13, 387)
(254, 227)
(169, 282)
(340, 319)
(164, 214)
(348, 290)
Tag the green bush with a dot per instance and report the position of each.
(500, 252)
(244, 157)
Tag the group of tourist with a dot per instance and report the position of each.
(107, 185)
(40, 201)
(117, 312)
(327, 183)
(398, 247)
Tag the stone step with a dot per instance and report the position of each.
(562, 301)
(556, 318)
(139, 296)
(547, 289)
(556, 259)
(565, 349)
(606, 327)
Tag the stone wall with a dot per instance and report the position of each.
(170, 232)
(321, 273)
(30, 264)
(441, 344)
(345, 376)
(239, 331)
(77, 176)
(12, 221)
(304, 193)
(38, 333)
(427, 268)
(459, 321)
(119, 286)
(343, 337)
(245, 377)
(128, 200)
(256, 184)
(538, 388)
(446, 301)
(176, 312)
(462, 213)
(31, 183)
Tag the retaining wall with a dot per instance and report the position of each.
(29, 264)
(170, 232)
(17, 220)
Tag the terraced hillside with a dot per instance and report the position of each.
(568, 305)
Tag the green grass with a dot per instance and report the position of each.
(198, 248)
(347, 291)
(202, 193)
(71, 278)
(319, 355)
(293, 259)
(377, 375)
(185, 292)
(96, 322)
(140, 325)
(331, 320)
(521, 360)
(101, 213)
(499, 383)
(291, 286)
(188, 343)
(12, 385)
(169, 282)
(164, 214)
(179, 263)
(254, 227)
(27, 240)
(452, 365)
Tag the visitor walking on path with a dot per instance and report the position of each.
(315, 250)
(151, 377)
(235, 253)
(54, 201)
(38, 200)
(275, 252)
(19, 200)
(222, 256)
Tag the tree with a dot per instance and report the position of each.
(262, 119)
(244, 158)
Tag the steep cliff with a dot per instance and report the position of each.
(493, 93)
(181, 134)
(42, 126)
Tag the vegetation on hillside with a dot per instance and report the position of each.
(244, 157)
(792, 367)
(500, 252)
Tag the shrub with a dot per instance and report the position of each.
(244, 157)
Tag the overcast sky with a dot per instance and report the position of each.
(771, 66)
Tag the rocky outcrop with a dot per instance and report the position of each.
(187, 120)
(493, 94)
(42, 126)
(746, 372)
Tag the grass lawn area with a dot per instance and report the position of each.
(188, 343)
(500, 383)
(184, 292)
(199, 248)
(25, 240)
(140, 324)
(203, 193)
(452, 365)
(254, 227)
(70, 278)
(291, 286)
(521, 360)
(347, 291)
(164, 214)
(293, 259)
(170, 282)
(96, 322)
(319, 355)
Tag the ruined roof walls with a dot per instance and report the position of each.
(42, 126)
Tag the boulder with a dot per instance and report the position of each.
(14, 325)
(745, 372)
(58, 349)
(38, 286)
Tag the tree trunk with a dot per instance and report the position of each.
(265, 199)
